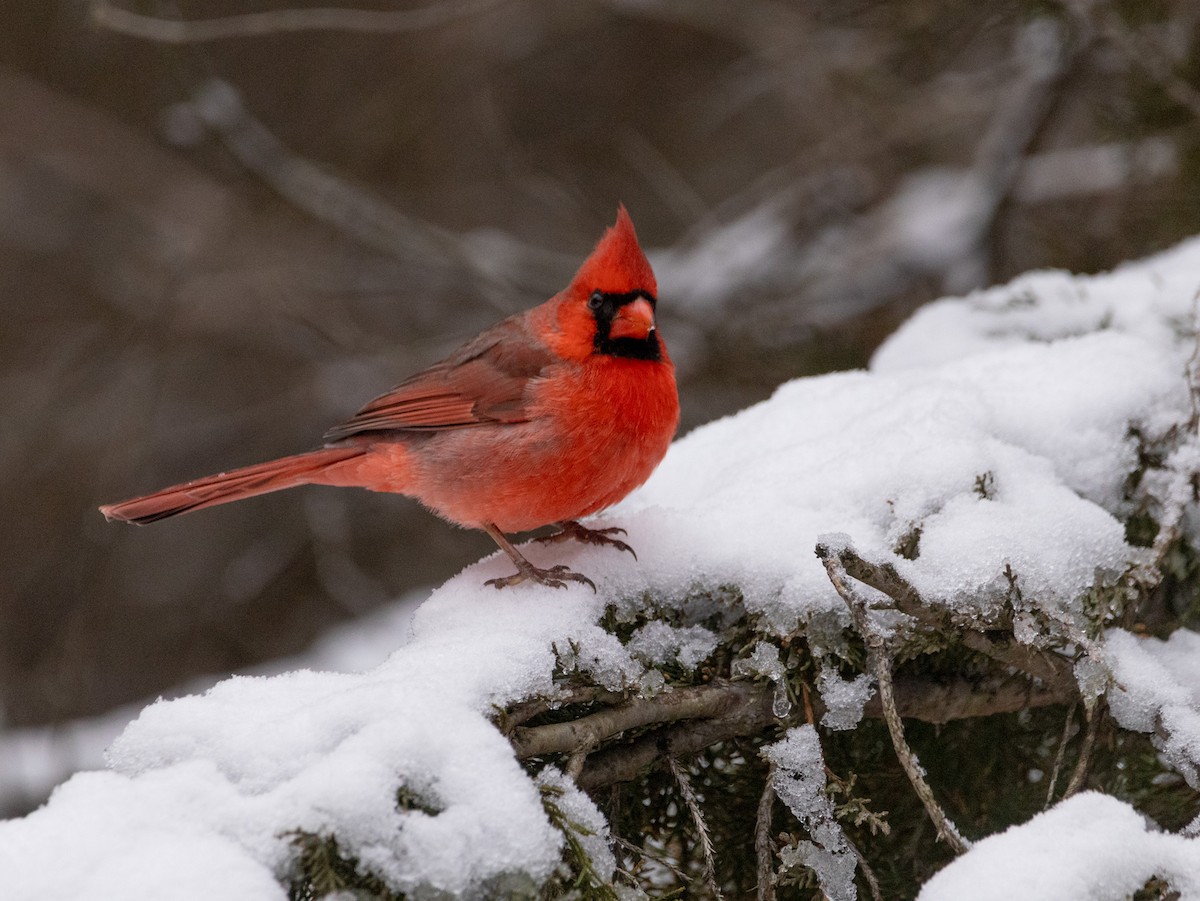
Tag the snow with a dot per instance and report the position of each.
(34, 760)
(1090, 847)
(844, 698)
(991, 442)
(798, 778)
(1156, 688)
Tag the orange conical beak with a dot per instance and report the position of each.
(633, 320)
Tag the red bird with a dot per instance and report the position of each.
(545, 418)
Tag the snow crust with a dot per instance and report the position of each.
(986, 454)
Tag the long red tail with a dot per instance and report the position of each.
(286, 472)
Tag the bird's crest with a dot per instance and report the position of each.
(617, 265)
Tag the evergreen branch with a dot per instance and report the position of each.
(881, 662)
(693, 806)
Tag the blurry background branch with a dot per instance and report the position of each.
(260, 24)
(213, 250)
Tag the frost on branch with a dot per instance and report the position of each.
(798, 778)
(1016, 481)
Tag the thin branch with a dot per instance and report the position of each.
(693, 806)
(661, 860)
(699, 702)
(964, 698)
(509, 720)
(868, 873)
(282, 21)
(1083, 766)
(624, 762)
(880, 662)
(884, 577)
(1058, 756)
(763, 849)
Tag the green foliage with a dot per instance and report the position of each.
(577, 878)
(322, 869)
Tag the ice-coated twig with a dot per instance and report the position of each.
(693, 806)
(764, 851)
(881, 664)
(280, 21)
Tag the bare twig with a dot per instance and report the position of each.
(702, 701)
(868, 873)
(1050, 668)
(575, 763)
(509, 720)
(623, 762)
(660, 859)
(880, 662)
(963, 698)
(929, 701)
(693, 806)
(1058, 755)
(281, 21)
(763, 849)
(1095, 713)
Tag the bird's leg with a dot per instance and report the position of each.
(572, 529)
(555, 576)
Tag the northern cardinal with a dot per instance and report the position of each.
(548, 416)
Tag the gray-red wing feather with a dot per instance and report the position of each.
(484, 381)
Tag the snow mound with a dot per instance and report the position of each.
(986, 454)
(1090, 847)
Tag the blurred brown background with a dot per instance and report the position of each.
(212, 250)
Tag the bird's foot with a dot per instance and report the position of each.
(572, 529)
(555, 576)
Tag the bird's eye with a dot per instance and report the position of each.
(595, 300)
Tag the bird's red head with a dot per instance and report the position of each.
(617, 265)
(608, 308)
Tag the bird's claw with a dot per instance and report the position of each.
(572, 529)
(554, 577)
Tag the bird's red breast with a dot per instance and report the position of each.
(550, 415)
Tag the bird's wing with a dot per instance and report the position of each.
(482, 382)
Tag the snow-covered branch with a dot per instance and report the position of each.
(1016, 478)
